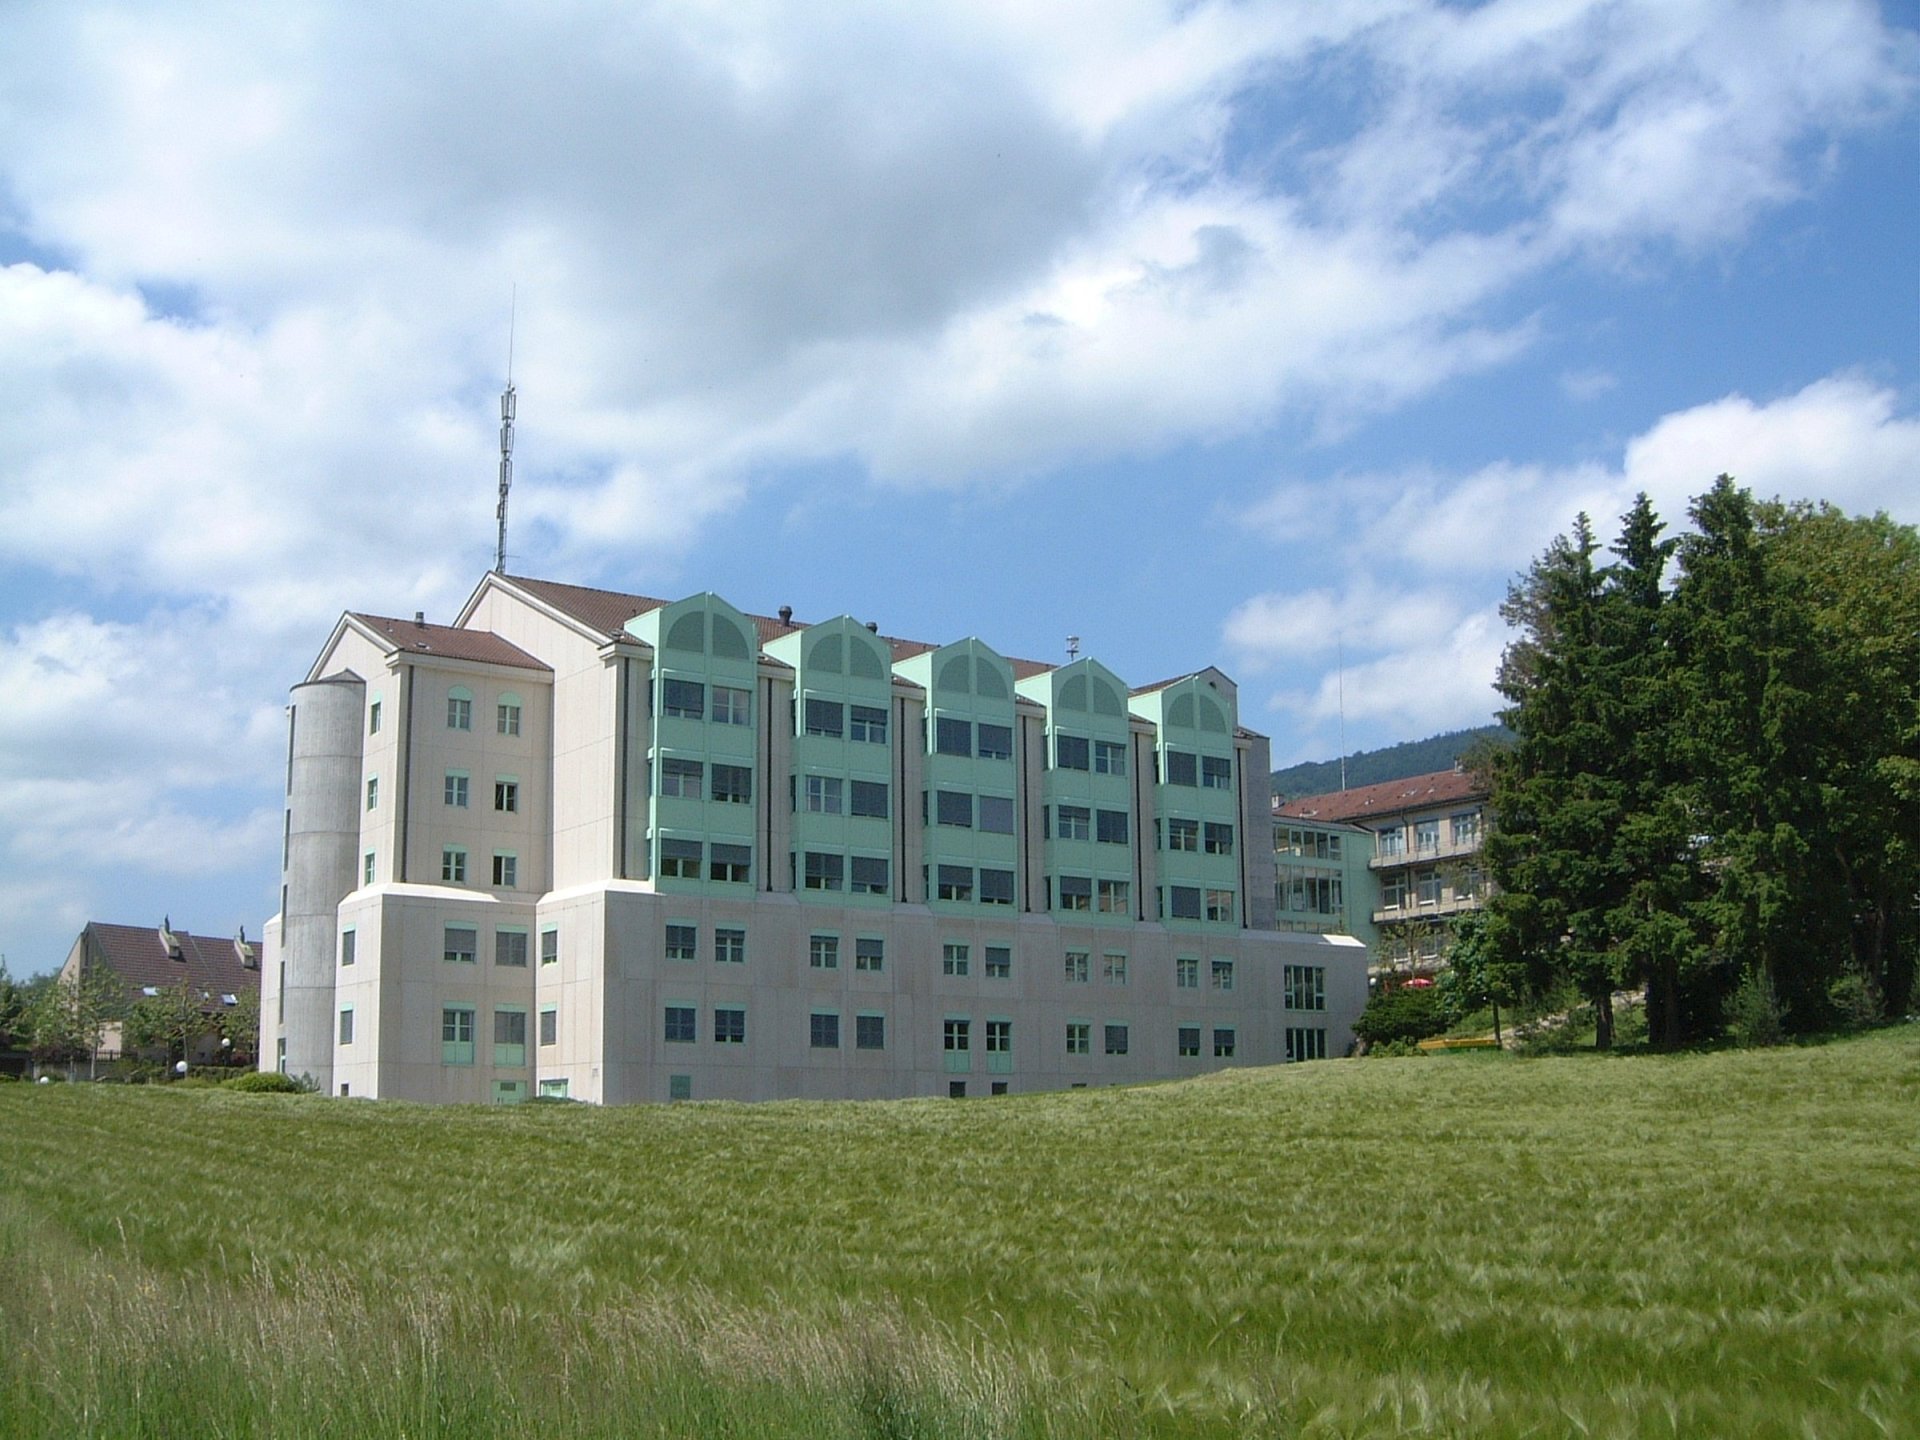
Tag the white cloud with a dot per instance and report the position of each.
(1420, 686)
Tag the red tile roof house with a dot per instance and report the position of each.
(147, 960)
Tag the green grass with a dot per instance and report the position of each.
(1720, 1244)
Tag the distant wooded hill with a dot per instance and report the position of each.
(1394, 762)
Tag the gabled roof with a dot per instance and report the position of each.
(1389, 797)
(138, 956)
(418, 637)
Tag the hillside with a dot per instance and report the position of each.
(1699, 1245)
(1391, 762)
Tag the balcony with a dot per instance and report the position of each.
(1446, 850)
(1433, 909)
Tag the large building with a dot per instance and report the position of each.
(1424, 834)
(597, 845)
(221, 972)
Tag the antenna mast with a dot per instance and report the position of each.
(1340, 690)
(507, 408)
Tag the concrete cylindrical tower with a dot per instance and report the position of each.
(323, 840)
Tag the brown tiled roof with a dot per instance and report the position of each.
(136, 954)
(1027, 669)
(1389, 797)
(604, 610)
(420, 638)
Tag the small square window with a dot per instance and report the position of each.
(1114, 896)
(731, 863)
(506, 796)
(729, 946)
(683, 942)
(682, 777)
(823, 1031)
(999, 962)
(953, 807)
(549, 947)
(679, 1026)
(1078, 967)
(996, 814)
(1183, 902)
(729, 1026)
(823, 952)
(952, 736)
(459, 712)
(679, 1087)
(1109, 757)
(826, 795)
(685, 699)
(1219, 839)
(506, 870)
(955, 1036)
(1223, 974)
(510, 948)
(954, 959)
(456, 789)
(868, 798)
(1113, 969)
(825, 872)
(1116, 1039)
(870, 953)
(999, 1037)
(995, 741)
(732, 706)
(453, 865)
(1223, 1044)
(1183, 834)
(1183, 767)
(1216, 772)
(1186, 974)
(1071, 752)
(507, 717)
(1220, 905)
(348, 939)
(955, 883)
(346, 1025)
(1189, 1041)
(1076, 892)
(1079, 1037)
(461, 945)
(1112, 827)
(732, 784)
(996, 886)
(550, 1026)
(826, 718)
(1075, 822)
(868, 723)
(869, 875)
(870, 1032)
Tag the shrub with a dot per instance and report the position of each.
(1855, 1001)
(1402, 1013)
(1394, 1049)
(263, 1082)
(1753, 1014)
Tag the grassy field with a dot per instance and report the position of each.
(1723, 1244)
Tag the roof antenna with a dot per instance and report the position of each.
(507, 407)
(1340, 690)
(1073, 648)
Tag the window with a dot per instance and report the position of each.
(870, 953)
(1186, 973)
(373, 718)
(868, 797)
(460, 944)
(732, 863)
(685, 778)
(951, 736)
(510, 948)
(953, 807)
(506, 869)
(823, 1030)
(996, 742)
(1070, 752)
(732, 784)
(1220, 905)
(348, 945)
(1077, 967)
(1223, 974)
(869, 875)
(1113, 968)
(506, 796)
(1116, 1039)
(1393, 891)
(507, 717)
(346, 1024)
(1113, 896)
(996, 814)
(867, 723)
(1075, 823)
(686, 699)
(1305, 1044)
(683, 942)
(366, 872)
(996, 886)
(1182, 768)
(509, 1037)
(550, 1025)
(1216, 772)
(1109, 757)
(1183, 902)
(459, 708)
(999, 1037)
(956, 1036)
(953, 959)
(999, 962)
(680, 859)
(732, 706)
(825, 795)
(1076, 892)
(1111, 827)
(955, 883)
(823, 952)
(549, 947)
(1189, 1041)
(869, 1032)
(826, 717)
(826, 872)
(1426, 836)
(1079, 1037)
(1183, 834)
(1466, 828)
(456, 789)
(1426, 884)
(679, 1026)
(1219, 839)
(729, 946)
(456, 1035)
(373, 792)
(555, 1089)
(1304, 986)
(1392, 841)
(1223, 1043)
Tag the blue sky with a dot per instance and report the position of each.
(1256, 335)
